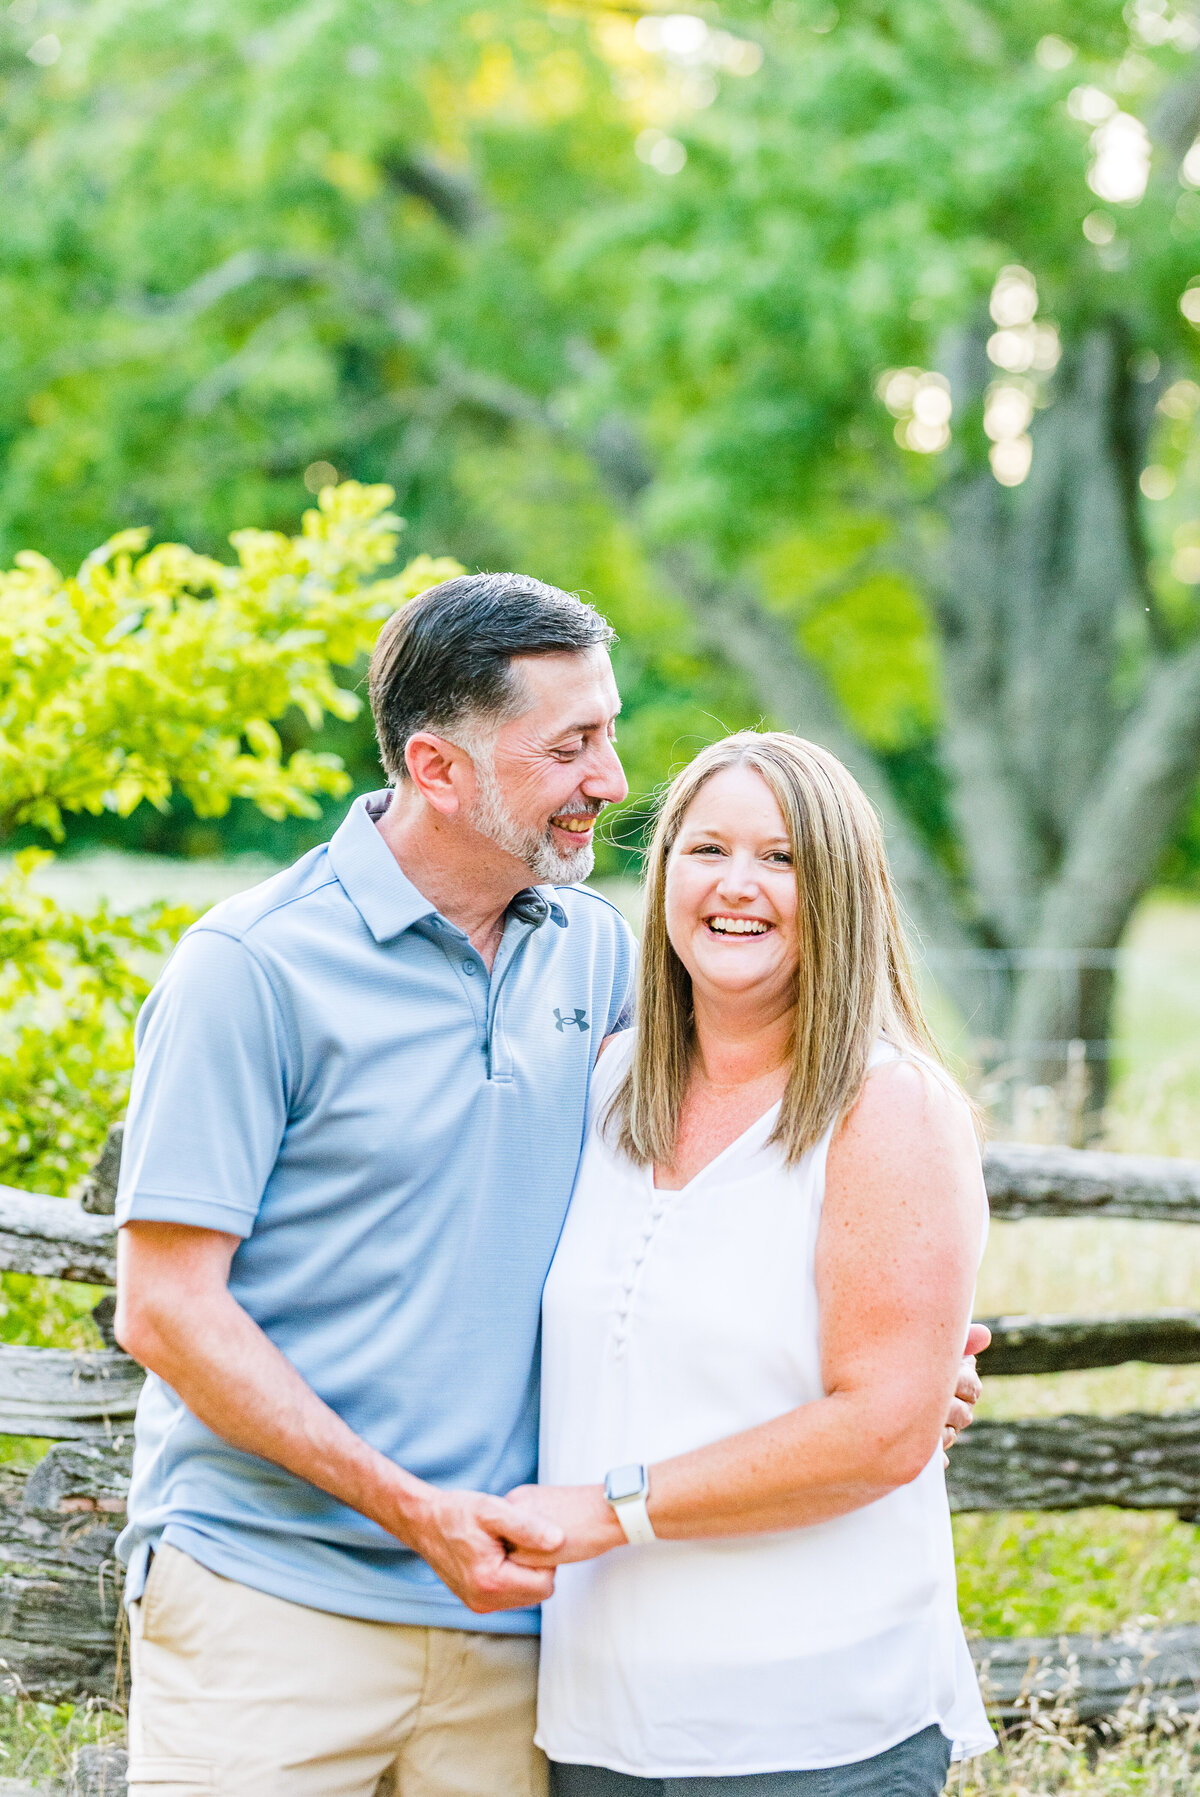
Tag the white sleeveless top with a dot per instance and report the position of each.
(671, 1320)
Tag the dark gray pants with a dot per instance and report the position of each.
(916, 1768)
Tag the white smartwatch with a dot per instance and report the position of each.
(627, 1488)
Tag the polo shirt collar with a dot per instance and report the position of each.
(373, 880)
(380, 890)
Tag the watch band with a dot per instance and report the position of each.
(626, 1489)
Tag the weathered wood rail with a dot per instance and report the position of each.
(1027, 1181)
(59, 1583)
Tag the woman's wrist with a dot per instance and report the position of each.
(608, 1531)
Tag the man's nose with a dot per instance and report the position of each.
(606, 780)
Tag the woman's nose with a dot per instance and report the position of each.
(739, 877)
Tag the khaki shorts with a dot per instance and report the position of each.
(236, 1692)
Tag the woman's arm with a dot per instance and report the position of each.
(897, 1255)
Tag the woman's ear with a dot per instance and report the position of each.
(442, 773)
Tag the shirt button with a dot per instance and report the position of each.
(470, 967)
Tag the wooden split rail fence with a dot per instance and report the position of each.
(60, 1586)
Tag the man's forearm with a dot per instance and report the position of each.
(176, 1315)
(234, 1379)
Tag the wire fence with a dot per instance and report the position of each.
(998, 971)
(1056, 1088)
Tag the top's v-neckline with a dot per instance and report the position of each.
(717, 1158)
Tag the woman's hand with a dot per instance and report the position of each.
(582, 1512)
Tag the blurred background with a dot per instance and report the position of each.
(848, 359)
(846, 356)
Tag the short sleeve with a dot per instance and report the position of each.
(624, 987)
(208, 1105)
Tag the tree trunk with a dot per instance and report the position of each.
(1056, 1006)
(1041, 592)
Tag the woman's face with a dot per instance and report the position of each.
(731, 889)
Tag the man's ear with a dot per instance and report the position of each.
(442, 773)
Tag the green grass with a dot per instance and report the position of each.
(1073, 1764)
(38, 1740)
(1084, 1572)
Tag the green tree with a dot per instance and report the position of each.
(252, 245)
(143, 674)
(976, 230)
(644, 303)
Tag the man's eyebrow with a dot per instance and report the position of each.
(584, 729)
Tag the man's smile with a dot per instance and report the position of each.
(574, 823)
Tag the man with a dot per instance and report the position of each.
(356, 1114)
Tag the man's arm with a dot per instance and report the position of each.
(177, 1316)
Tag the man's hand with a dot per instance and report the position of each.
(969, 1388)
(466, 1538)
(584, 1521)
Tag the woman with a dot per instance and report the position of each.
(753, 1326)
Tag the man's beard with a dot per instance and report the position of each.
(547, 863)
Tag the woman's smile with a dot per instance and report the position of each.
(738, 927)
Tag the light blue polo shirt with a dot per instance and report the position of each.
(326, 1069)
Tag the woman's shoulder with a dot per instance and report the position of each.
(612, 1062)
(909, 1107)
(904, 1077)
(910, 1110)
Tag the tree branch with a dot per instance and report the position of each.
(731, 621)
(1126, 823)
(451, 195)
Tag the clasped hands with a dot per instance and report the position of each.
(500, 1553)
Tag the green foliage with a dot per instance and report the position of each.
(69, 992)
(142, 675)
(38, 1740)
(1085, 1572)
(404, 241)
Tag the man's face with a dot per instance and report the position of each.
(553, 769)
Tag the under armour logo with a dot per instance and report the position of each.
(579, 1021)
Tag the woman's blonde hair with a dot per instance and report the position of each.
(853, 980)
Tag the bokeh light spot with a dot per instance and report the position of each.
(1157, 482)
(320, 474)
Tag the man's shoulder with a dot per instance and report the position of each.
(262, 912)
(592, 913)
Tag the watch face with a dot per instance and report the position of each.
(624, 1482)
